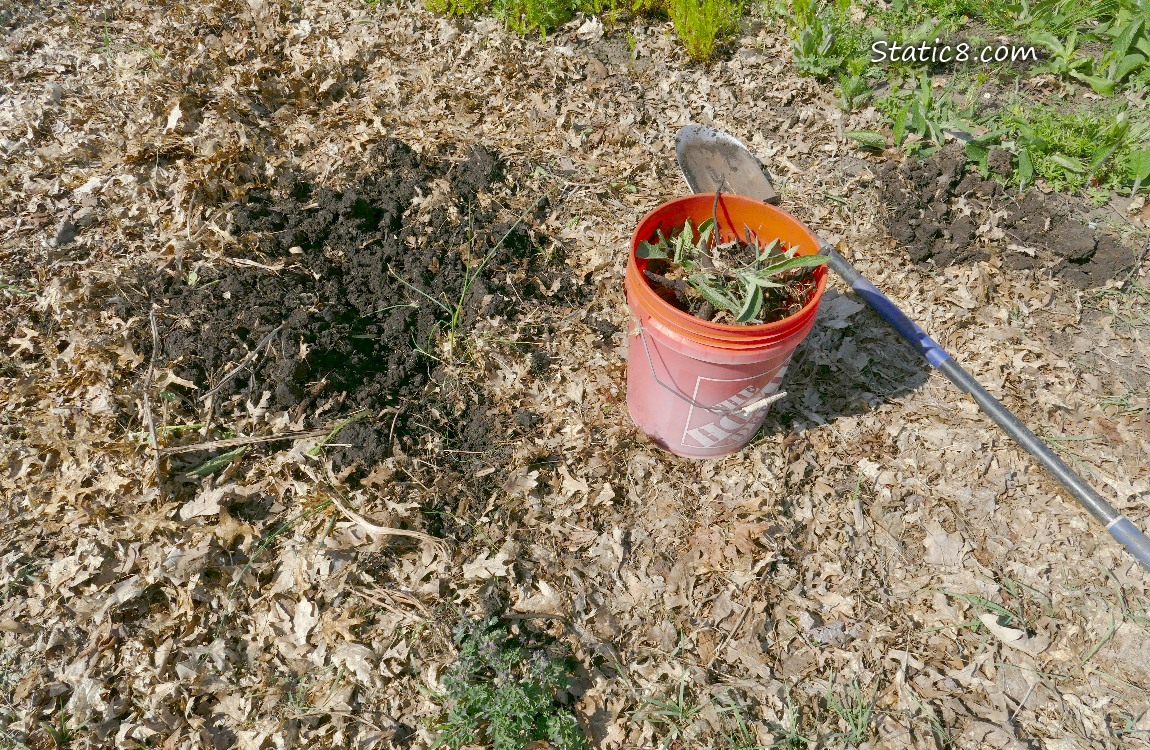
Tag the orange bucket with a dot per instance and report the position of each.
(695, 387)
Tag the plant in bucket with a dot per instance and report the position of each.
(723, 288)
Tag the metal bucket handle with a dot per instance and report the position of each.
(744, 410)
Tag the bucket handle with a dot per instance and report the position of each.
(745, 410)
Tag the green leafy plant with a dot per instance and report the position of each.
(870, 139)
(503, 694)
(1072, 148)
(813, 49)
(1129, 50)
(824, 41)
(1063, 28)
(218, 463)
(1064, 58)
(457, 7)
(749, 282)
(523, 16)
(922, 112)
(853, 89)
(702, 24)
(1138, 168)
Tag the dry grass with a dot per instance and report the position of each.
(879, 550)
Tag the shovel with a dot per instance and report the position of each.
(714, 161)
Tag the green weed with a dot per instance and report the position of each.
(1134, 608)
(751, 284)
(449, 323)
(792, 738)
(165, 430)
(266, 541)
(1129, 304)
(1128, 404)
(1072, 147)
(702, 24)
(853, 90)
(824, 40)
(317, 449)
(926, 113)
(1100, 44)
(676, 714)
(736, 733)
(503, 694)
(8, 286)
(854, 710)
(217, 463)
(457, 7)
(63, 732)
(1130, 728)
(1019, 607)
(939, 731)
(523, 16)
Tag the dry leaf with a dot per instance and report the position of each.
(487, 565)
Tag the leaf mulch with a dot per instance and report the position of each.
(155, 232)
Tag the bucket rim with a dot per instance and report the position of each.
(721, 335)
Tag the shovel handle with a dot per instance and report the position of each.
(1119, 526)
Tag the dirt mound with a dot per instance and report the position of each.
(937, 207)
(344, 295)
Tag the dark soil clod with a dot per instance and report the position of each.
(925, 219)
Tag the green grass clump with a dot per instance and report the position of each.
(502, 694)
(457, 7)
(702, 24)
(523, 16)
(855, 711)
(1077, 147)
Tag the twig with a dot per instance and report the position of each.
(727, 638)
(248, 359)
(393, 594)
(148, 400)
(391, 432)
(1022, 703)
(334, 712)
(705, 252)
(253, 264)
(385, 530)
(326, 442)
(536, 616)
(238, 441)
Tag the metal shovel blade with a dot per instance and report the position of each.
(710, 158)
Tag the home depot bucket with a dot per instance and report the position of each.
(697, 387)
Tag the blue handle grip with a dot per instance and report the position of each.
(880, 303)
(907, 328)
